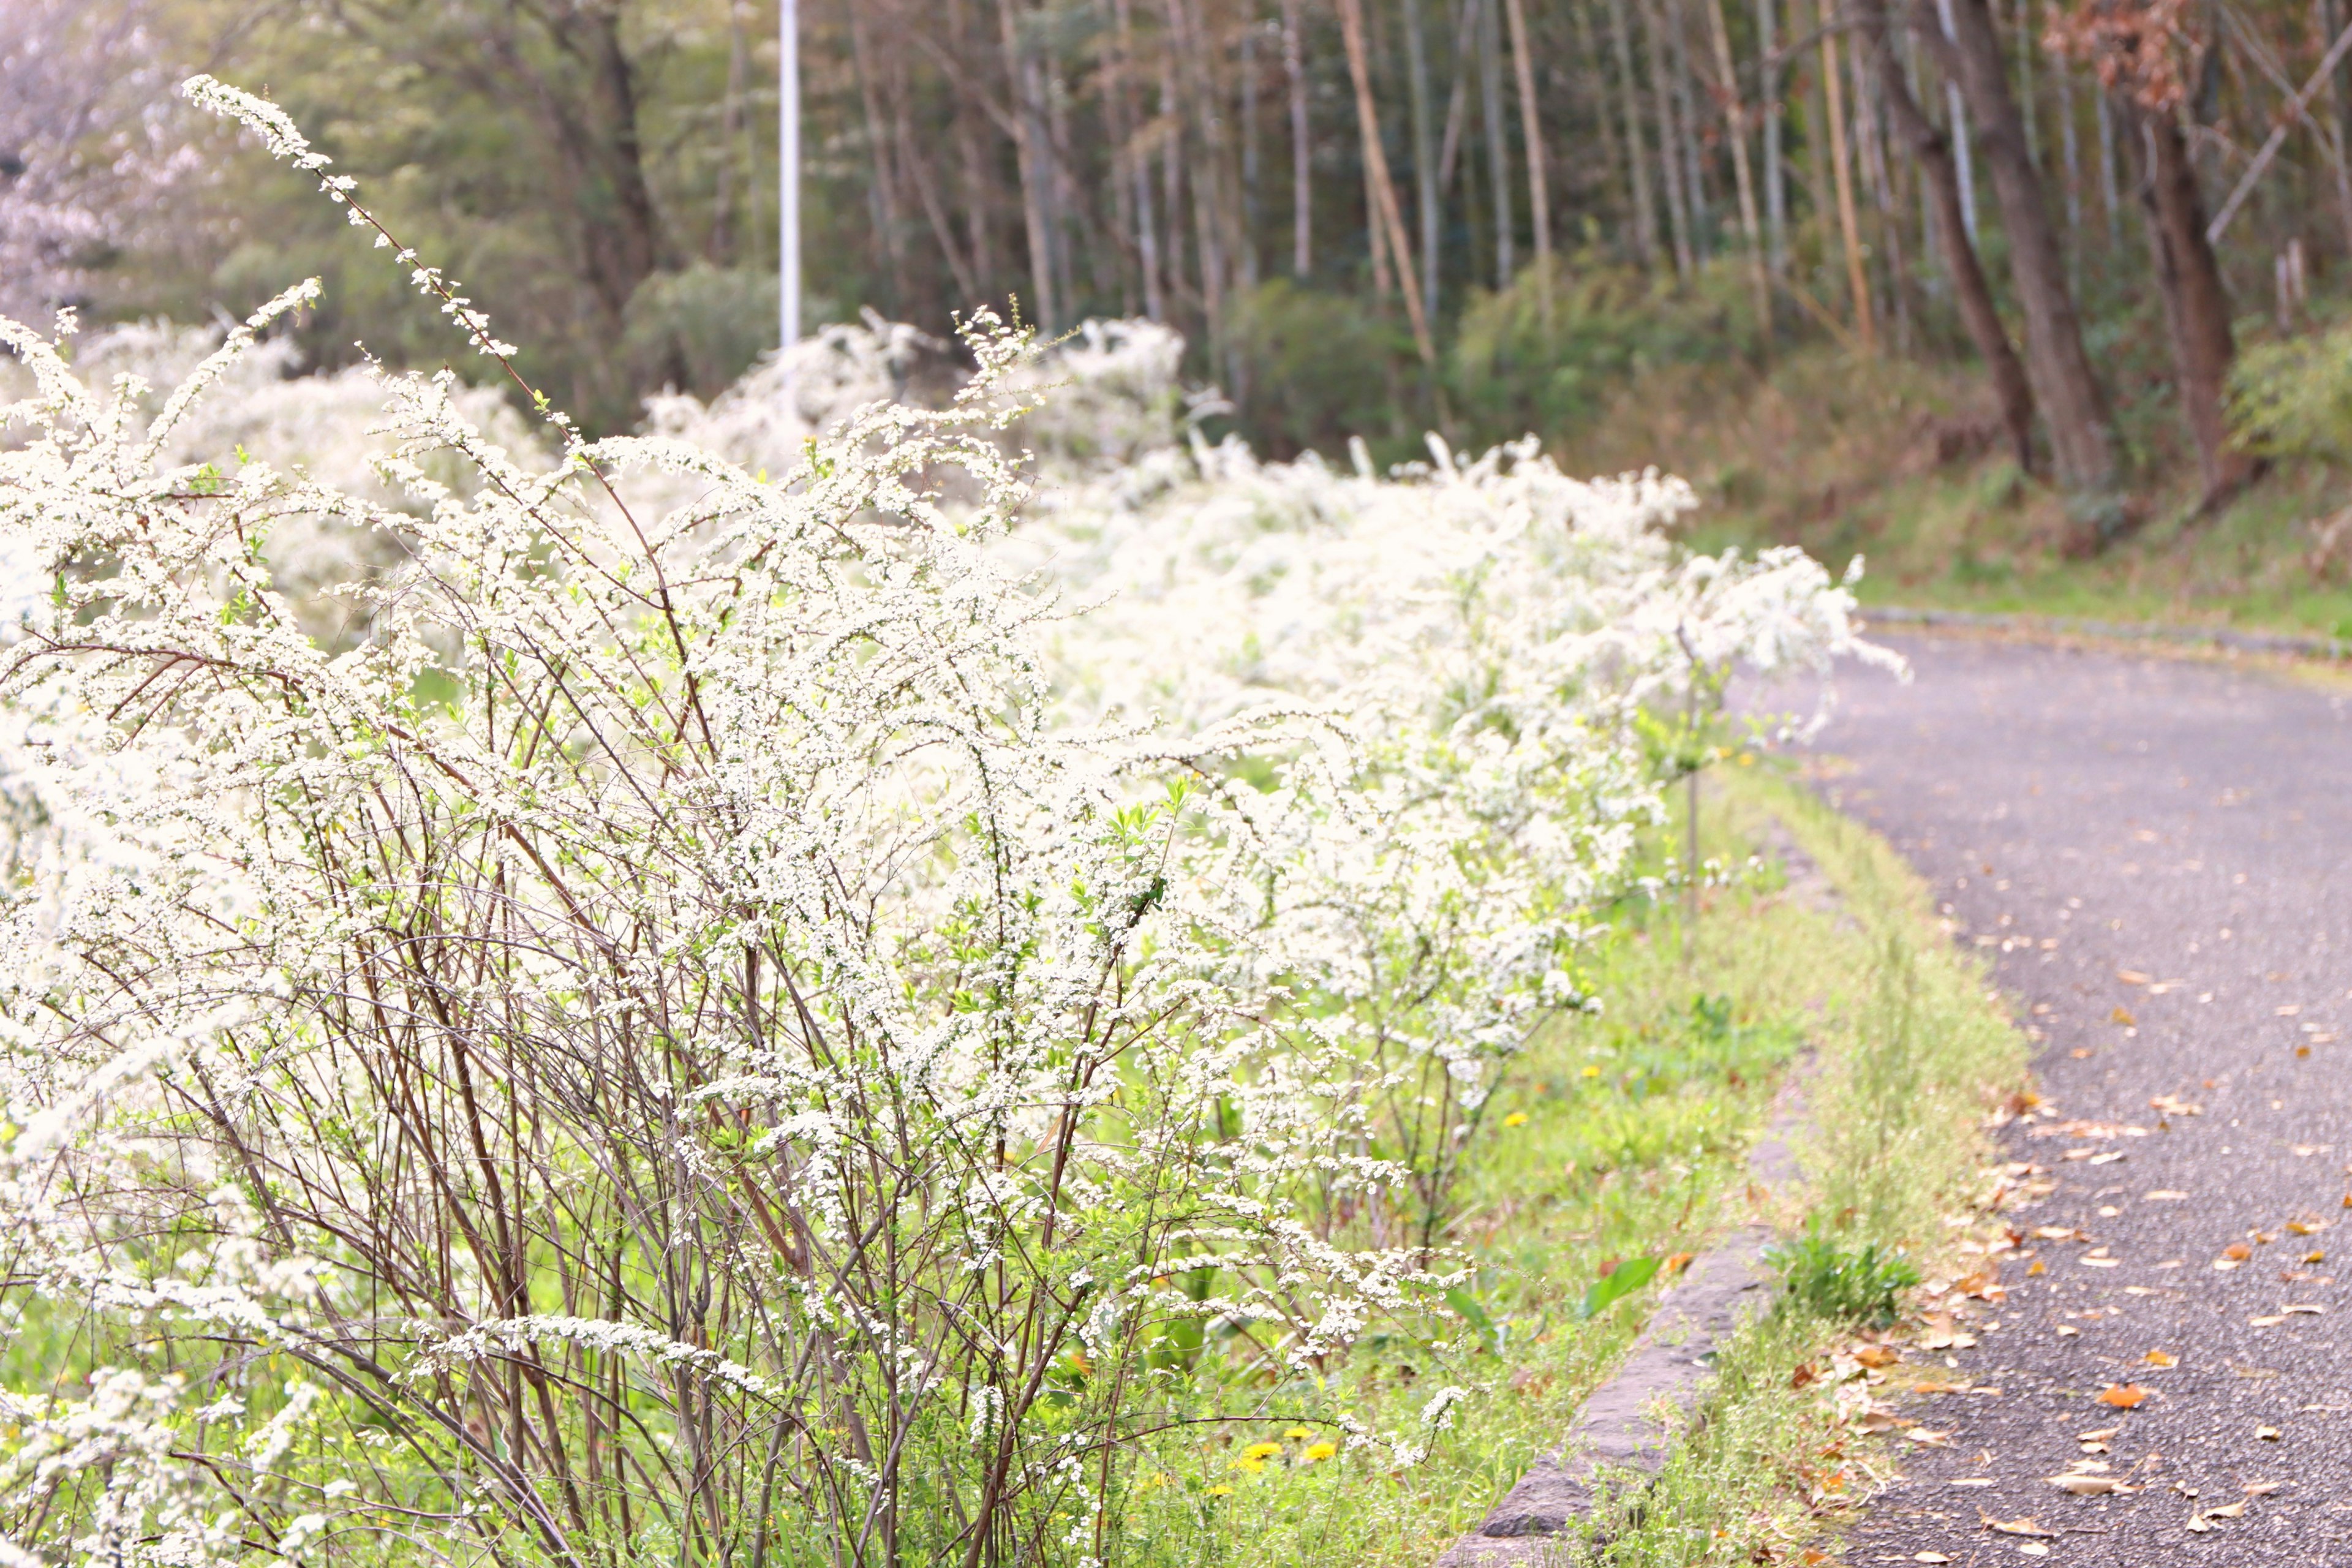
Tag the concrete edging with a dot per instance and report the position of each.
(2335, 649)
(1627, 1428)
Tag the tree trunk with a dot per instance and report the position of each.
(1662, 94)
(1857, 274)
(2196, 308)
(1498, 138)
(1776, 175)
(1302, 150)
(884, 191)
(1419, 94)
(1531, 122)
(1036, 164)
(2083, 448)
(1736, 126)
(1385, 211)
(1969, 289)
(1646, 212)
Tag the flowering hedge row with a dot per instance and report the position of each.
(580, 1001)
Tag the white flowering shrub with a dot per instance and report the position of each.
(694, 1014)
(1467, 658)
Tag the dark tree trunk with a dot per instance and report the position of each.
(1970, 289)
(2083, 448)
(2195, 306)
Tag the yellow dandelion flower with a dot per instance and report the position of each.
(1516, 1118)
(1221, 1491)
(1261, 1451)
(1319, 1452)
(1592, 1069)
(1298, 1432)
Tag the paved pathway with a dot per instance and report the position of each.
(2158, 856)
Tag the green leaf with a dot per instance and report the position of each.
(1619, 1283)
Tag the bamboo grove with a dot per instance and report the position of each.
(1359, 213)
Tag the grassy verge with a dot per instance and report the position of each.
(1621, 1137)
(1899, 460)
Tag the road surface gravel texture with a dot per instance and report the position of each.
(2154, 853)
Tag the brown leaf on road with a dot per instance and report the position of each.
(1922, 1436)
(2228, 1511)
(2262, 1489)
(2267, 1434)
(2017, 1527)
(2088, 1485)
(2123, 1015)
(2123, 1395)
(2162, 1358)
(1876, 1356)
(2237, 1252)
(2173, 1105)
(2101, 1436)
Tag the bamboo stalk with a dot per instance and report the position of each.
(1669, 149)
(1386, 214)
(1531, 118)
(1735, 121)
(1848, 228)
(1645, 213)
(1302, 159)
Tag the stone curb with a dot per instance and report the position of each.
(1629, 1425)
(2290, 643)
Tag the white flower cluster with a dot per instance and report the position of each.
(702, 1003)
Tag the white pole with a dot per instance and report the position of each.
(787, 149)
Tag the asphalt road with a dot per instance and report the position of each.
(2157, 857)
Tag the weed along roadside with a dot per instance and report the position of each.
(1723, 1413)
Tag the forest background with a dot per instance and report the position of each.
(2037, 305)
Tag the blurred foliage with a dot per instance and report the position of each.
(2292, 397)
(1311, 368)
(1520, 364)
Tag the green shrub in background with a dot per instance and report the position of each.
(698, 330)
(1309, 369)
(2292, 397)
(1512, 372)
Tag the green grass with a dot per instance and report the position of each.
(1619, 1139)
(1894, 461)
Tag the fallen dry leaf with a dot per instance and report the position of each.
(2164, 1195)
(2262, 1489)
(2197, 1524)
(2173, 1105)
(2101, 1436)
(2131, 977)
(2017, 1527)
(1875, 1356)
(2088, 1485)
(2303, 1309)
(2123, 1395)
(2269, 1320)
(1929, 1557)
(2267, 1434)
(1930, 1439)
(2305, 1226)
(2237, 1252)
(2228, 1511)
(2162, 1358)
